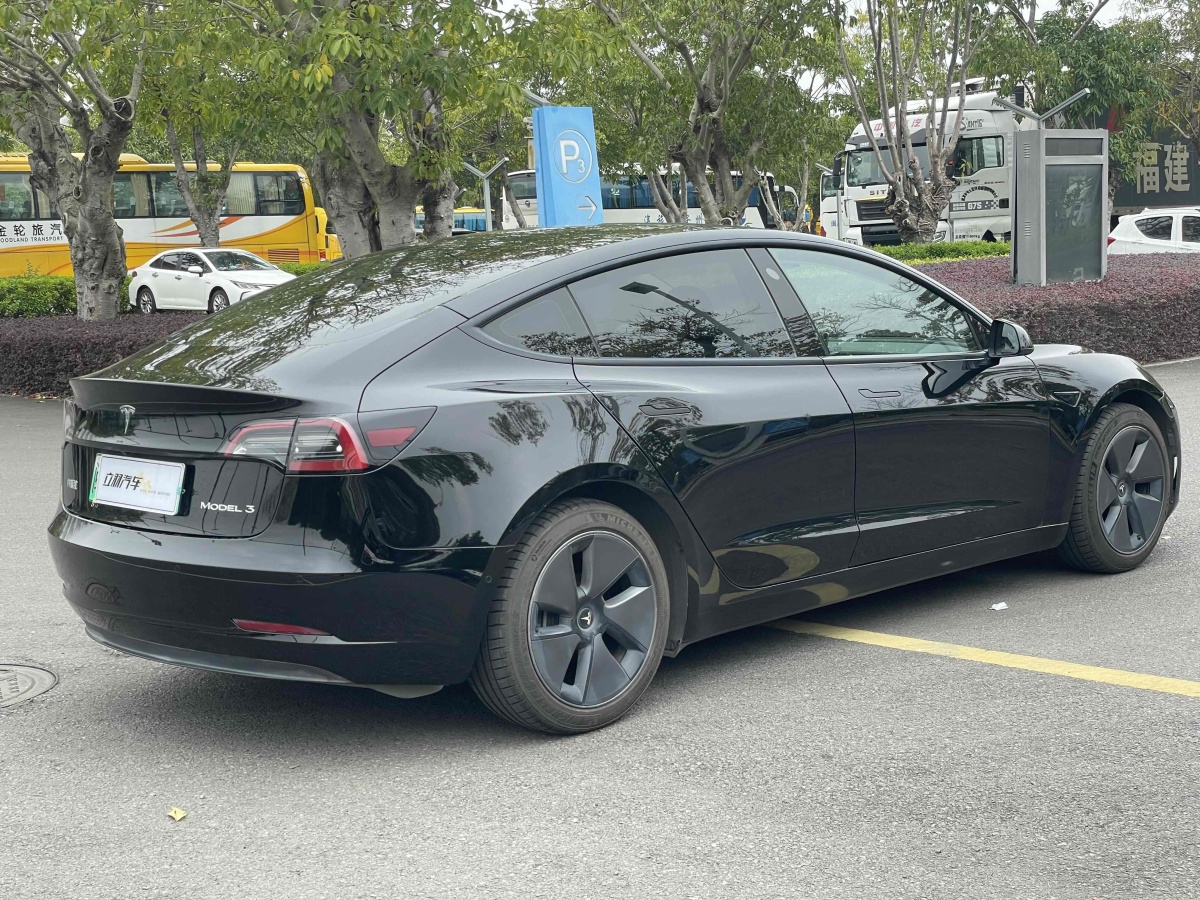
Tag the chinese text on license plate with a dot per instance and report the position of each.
(137, 484)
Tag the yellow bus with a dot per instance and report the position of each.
(269, 210)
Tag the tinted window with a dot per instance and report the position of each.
(550, 324)
(696, 305)
(16, 198)
(279, 194)
(170, 261)
(1191, 229)
(186, 260)
(1158, 227)
(168, 202)
(131, 195)
(861, 309)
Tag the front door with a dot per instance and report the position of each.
(192, 289)
(950, 446)
(757, 445)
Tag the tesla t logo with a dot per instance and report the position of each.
(585, 618)
(126, 417)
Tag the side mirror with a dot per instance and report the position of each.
(1008, 339)
(196, 270)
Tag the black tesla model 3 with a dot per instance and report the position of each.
(539, 461)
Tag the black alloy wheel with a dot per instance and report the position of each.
(579, 620)
(218, 301)
(1123, 492)
(592, 618)
(145, 301)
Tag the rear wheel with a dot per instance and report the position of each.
(218, 301)
(1122, 493)
(145, 301)
(577, 628)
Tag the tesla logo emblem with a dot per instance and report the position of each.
(126, 416)
(585, 618)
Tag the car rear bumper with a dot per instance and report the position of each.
(174, 598)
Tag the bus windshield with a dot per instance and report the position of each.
(862, 166)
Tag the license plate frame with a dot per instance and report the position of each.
(164, 495)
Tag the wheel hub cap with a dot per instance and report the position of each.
(1130, 489)
(592, 619)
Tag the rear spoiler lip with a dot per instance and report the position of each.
(165, 396)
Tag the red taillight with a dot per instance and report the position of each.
(1110, 240)
(330, 444)
(326, 445)
(275, 627)
(321, 255)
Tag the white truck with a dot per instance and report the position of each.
(980, 206)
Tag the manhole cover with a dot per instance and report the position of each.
(21, 683)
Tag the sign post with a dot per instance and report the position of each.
(566, 172)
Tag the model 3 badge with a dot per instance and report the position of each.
(227, 507)
(126, 417)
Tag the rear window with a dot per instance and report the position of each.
(1157, 227)
(1191, 230)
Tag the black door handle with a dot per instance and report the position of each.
(664, 407)
(875, 395)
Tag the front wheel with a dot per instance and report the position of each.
(218, 301)
(1122, 493)
(579, 621)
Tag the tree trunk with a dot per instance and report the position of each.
(916, 206)
(511, 199)
(660, 189)
(203, 191)
(348, 204)
(697, 173)
(438, 203)
(81, 192)
(394, 188)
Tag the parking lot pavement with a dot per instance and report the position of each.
(762, 764)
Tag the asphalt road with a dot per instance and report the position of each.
(760, 764)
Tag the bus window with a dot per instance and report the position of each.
(131, 195)
(168, 202)
(239, 198)
(279, 194)
(16, 198)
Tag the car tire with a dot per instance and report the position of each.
(145, 301)
(1123, 483)
(217, 301)
(562, 652)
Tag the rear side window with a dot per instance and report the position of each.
(550, 324)
(1158, 227)
(711, 304)
(1191, 229)
(169, 262)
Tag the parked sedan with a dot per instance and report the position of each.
(201, 278)
(540, 461)
(1157, 231)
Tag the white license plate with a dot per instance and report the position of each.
(142, 484)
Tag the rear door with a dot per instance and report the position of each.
(192, 289)
(756, 442)
(950, 445)
(162, 280)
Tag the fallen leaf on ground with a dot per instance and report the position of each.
(176, 813)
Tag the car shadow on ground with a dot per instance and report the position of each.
(248, 714)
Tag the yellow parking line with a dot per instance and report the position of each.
(997, 658)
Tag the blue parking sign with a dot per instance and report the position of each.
(566, 172)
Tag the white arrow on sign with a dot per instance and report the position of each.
(589, 204)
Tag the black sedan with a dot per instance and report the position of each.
(539, 461)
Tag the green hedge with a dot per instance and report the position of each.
(302, 268)
(31, 296)
(945, 251)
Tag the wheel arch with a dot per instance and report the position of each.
(1154, 403)
(640, 494)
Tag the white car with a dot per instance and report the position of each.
(201, 278)
(1157, 231)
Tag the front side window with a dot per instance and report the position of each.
(16, 198)
(711, 304)
(232, 261)
(861, 309)
(549, 324)
(1157, 228)
(186, 260)
(973, 154)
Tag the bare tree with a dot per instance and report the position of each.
(920, 51)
